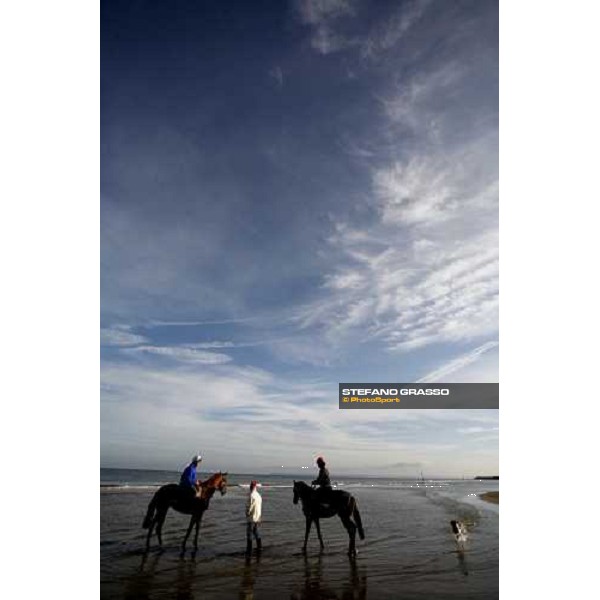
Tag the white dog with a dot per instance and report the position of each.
(460, 533)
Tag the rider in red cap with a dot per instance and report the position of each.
(322, 481)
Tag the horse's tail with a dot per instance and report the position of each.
(150, 512)
(358, 520)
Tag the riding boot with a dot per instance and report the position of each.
(259, 545)
(249, 547)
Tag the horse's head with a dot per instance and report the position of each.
(296, 491)
(222, 483)
(216, 482)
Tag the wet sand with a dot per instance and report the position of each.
(409, 551)
(493, 497)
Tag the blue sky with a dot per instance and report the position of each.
(296, 194)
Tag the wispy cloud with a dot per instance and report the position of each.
(458, 363)
(434, 282)
(120, 336)
(277, 74)
(323, 16)
(414, 103)
(334, 28)
(234, 320)
(212, 345)
(328, 210)
(226, 406)
(182, 353)
(386, 35)
(423, 269)
(473, 430)
(319, 11)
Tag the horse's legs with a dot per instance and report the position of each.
(198, 520)
(308, 524)
(187, 534)
(351, 528)
(149, 535)
(160, 521)
(317, 523)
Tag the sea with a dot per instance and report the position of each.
(409, 550)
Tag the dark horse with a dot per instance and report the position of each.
(341, 503)
(173, 496)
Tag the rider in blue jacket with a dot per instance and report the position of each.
(189, 477)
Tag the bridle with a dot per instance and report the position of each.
(209, 487)
(222, 487)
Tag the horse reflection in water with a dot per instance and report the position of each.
(186, 572)
(141, 583)
(314, 587)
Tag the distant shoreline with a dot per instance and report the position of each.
(309, 474)
(492, 497)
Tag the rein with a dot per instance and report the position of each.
(304, 491)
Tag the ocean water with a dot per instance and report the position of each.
(409, 550)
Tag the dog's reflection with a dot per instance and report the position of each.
(462, 562)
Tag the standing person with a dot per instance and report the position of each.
(253, 517)
(189, 478)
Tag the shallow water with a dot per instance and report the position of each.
(409, 550)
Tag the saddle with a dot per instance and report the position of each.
(321, 497)
(188, 501)
(330, 498)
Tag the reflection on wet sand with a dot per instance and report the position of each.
(148, 581)
(141, 583)
(186, 571)
(462, 562)
(249, 575)
(315, 586)
(424, 564)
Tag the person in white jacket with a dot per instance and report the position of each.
(253, 517)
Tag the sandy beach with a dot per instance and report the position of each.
(493, 497)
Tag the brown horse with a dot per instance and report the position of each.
(175, 497)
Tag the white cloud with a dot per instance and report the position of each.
(329, 20)
(120, 336)
(183, 353)
(326, 41)
(424, 269)
(457, 364)
(412, 103)
(412, 292)
(391, 31)
(212, 345)
(322, 16)
(315, 12)
(224, 409)
(472, 430)
(277, 74)
(193, 323)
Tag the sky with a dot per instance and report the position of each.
(296, 194)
